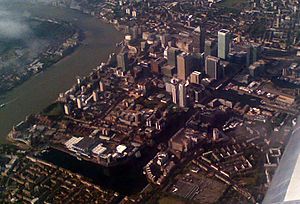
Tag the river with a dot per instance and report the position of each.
(42, 89)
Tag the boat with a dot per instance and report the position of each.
(2, 105)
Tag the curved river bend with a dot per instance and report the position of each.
(39, 91)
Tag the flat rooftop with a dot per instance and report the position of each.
(224, 31)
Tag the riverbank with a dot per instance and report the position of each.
(26, 56)
(46, 60)
(38, 92)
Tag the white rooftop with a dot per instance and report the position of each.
(74, 140)
(99, 149)
(121, 148)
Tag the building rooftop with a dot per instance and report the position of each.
(224, 31)
(86, 143)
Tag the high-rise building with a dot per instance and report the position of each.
(197, 96)
(182, 95)
(211, 48)
(79, 103)
(253, 52)
(112, 60)
(78, 80)
(67, 109)
(168, 70)
(164, 39)
(212, 67)
(136, 32)
(172, 56)
(178, 91)
(216, 134)
(184, 66)
(95, 96)
(157, 64)
(174, 93)
(196, 77)
(223, 43)
(123, 61)
(101, 86)
(257, 68)
(198, 39)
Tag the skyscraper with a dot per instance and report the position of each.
(196, 77)
(216, 134)
(95, 96)
(157, 64)
(198, 39)
(67, 109)
(212, 67)
(172, 56)
(101, 86)
(211, 48)
(164, 39)
(223, 43)
(182, 95)
(112, 59)
(178, 91)
(79, 103)
(253, 52)
(174, 93)
(123, 61)
(184, 65)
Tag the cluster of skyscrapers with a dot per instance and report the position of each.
(207, 58)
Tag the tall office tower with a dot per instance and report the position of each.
(184, 65)
(211, 48)
(174, 93)
(172, 56)
(157, 64)
(101, 86)
(253, 53)
(164, 39)
(249, 59)
(198, 39)
(197, 96)
(256, 52)
(182, 94)
(79, 103)
(95, 96)
(212, 67)
(136, 32)
(78, 80)
(223, 43)
(67, 109)
(112, 60)
(216, 134)
(196, 77)
(123, 61)
(278, 20)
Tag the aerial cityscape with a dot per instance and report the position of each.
(150, 101)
